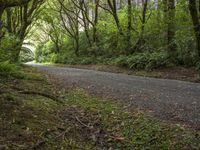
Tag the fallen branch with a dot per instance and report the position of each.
(83, 123)
(22, 91)
(40, 94)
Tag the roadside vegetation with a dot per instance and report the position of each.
(137, 36)
(144, 35)
(72, 119)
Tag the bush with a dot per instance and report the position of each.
(147, 61)
(6, 47)
(158, 60)
(120, 61)
(7, 69)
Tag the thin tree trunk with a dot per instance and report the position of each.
(1, 12)
(86, 28)
(95, 21)
(141, 40)
(144, 16)
(171, 28)
(196, 23)
(77, 46)
(113, 8)
(1, 22)
(129, 26)
(9, 20)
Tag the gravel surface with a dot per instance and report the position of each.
(172, 100)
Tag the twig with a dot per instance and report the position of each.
(83, 123)
(63, 134)
(40, 143)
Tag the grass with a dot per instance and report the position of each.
(133, 130)
(30, 121)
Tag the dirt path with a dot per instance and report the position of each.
(166, 99)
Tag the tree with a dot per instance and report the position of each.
(69, 15)
(129, 26)
(19, 21)
(112, 9)
(6, 4)
(169, 20)
(194, 12)
(143, 20)
(89, 16)
(171, 31)
(53, 28)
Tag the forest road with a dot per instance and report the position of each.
(169, 100)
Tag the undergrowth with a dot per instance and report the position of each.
(9, 69)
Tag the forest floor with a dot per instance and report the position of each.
(37, 114)
(177, 73)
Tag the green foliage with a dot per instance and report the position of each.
(121, 61)
(26, 55)
(45, 52)
(7, 69)
(147, 61)
(6, 47)
(111, 47)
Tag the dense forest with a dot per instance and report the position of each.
(138, 34)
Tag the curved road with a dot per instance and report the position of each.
(166, 99)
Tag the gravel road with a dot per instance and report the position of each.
(172, 100)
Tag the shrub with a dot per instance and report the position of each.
(138, 61)
(158, 60)
(146, 60)
(6, 47)
(7, 69)
(120, 61)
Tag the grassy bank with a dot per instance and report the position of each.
(36, 115)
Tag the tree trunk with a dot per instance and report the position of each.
(9, 20)
(76, 46)
(128, 46)
(16, 52)
(57, 47)
(113, 8)
(95, 21)
(171, 31)
(1, 22)
(141, 40)
(86, 28)
(196, 23)
(1, 12)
